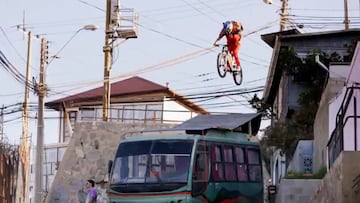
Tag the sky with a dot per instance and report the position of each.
(174, 47)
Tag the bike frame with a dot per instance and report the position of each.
(226, 63)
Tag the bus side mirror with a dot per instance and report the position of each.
(110, 166)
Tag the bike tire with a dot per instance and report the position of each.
(238, 76)
(221, 65)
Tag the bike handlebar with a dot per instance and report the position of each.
(222, 45)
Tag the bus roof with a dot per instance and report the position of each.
(235, 122)
(234, 128)
(213, 135)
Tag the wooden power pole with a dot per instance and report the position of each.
(346, 10)
(284, 15)
(23, 174)
(107, 62)
(113, 31)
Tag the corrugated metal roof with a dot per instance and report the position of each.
(271, 37)
(236, 122)
(296, 34)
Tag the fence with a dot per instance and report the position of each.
(9, 162)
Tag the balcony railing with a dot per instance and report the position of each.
(139, 113)
(336, 141)
(135, 115)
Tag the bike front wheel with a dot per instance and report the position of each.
(238, 76)
(221, 64)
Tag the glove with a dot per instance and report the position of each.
(216, 43)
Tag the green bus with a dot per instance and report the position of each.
(213, 165)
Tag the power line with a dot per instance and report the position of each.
(11, 44)
(201, 12)
(211, 8)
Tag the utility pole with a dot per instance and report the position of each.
(23, 175)
(2, 124)
(41, 91)
(283, 86)
(114, 30)
(346, 20)
(107, 62)
(284, 15)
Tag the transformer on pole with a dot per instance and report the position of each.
(120, 23)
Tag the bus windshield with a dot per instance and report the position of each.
(161, 162)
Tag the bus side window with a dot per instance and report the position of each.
(216, 163)
(253, 156)
(230, 174)
(240, 164)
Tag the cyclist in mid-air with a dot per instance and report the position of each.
(233, 32)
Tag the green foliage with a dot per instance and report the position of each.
(260, 106)
(298, 175)
(351, 48)
(305, 71)
(284, 135)
(288, 61)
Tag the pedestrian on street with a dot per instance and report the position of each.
(91, 193)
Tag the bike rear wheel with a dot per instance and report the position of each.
(238, 76)
(221, 64)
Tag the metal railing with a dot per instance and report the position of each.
(135, 115)
(336, 141)
(128, 27)
(9, 165)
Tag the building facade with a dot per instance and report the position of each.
(282, 88)
(134, 102)
(342, 181)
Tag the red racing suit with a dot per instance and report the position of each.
(233, 42)
(233, 37)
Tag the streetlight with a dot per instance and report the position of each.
(90, 27)
(41, 94)
(283, 14)
(268, 1)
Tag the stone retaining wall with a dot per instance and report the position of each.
(92, 145)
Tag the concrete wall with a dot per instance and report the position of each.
(327, 43)
(303, 157)
(295, 90)
(321, 123)
(278, 167)
(93, 144)
(355, 67)
(174, 112)
(337, 185)
(296, 190)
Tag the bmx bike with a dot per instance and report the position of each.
(226, 63)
